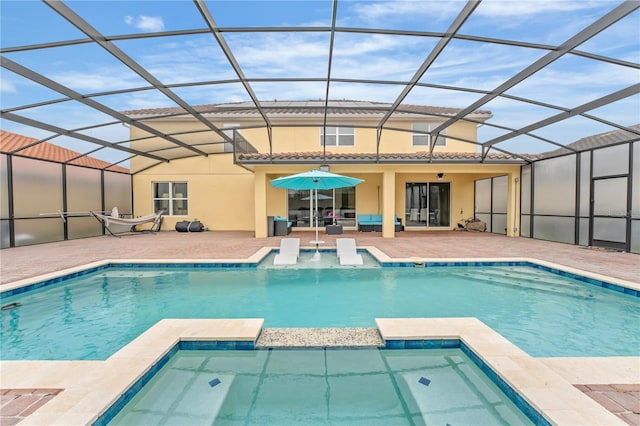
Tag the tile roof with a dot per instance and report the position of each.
(12, 143)
(306, 109)
(418, 157)
(598, 140)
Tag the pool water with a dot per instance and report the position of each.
(94, 315)
(309, 387)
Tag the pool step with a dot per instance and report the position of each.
(525, 276)
(530, 275)
(319, 338)
(541, 284)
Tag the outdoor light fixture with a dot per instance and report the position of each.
(440, 176)
(324, 168)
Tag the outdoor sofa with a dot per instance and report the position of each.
(373, 222)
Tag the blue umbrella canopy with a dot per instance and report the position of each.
(315, 179)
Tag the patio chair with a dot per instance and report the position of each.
(114, 218)
(347, 252)
(289, 252)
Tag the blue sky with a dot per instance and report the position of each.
(568, 82)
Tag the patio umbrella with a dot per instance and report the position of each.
(314, 180)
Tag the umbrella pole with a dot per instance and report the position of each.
(316, 255)
(316, 214)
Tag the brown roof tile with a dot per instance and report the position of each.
(306, 108)
(12, 143)
(423, 156)
(598, 140)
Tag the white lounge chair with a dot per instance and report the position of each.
(347, 252)
(114, 218)
(289, 252)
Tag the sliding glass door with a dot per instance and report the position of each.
(427, 204)
(334, 206)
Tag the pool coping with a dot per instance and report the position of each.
(91, 387)
(383, 259)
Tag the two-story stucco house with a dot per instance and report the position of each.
(225, 180)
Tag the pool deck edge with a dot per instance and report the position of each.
(263, 252)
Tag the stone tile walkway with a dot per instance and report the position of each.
(622, 400)
(16, 404)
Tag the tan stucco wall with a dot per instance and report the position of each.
(221, 195)
(307, 139)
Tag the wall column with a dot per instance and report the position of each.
(388, 204)
(260, 191)
(513, 204)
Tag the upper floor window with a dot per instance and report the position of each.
(338, 136)
(423, 139)
(172, 197)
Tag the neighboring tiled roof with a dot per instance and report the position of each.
(440, 157)
(307, 108)
(10, 142)
(598, 140)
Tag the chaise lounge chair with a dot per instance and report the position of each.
(114, 218)
(347, 252)
(289, 252)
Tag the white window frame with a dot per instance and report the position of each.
(339, 131)
(426, 127)
(170, 198)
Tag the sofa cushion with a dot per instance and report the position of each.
(370, 219)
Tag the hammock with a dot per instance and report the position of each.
(114, 218)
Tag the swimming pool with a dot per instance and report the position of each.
(93, 315)
(321, 386)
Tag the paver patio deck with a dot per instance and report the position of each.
(23, 262)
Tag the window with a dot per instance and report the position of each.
(337, 136)
(422, 139)
(172, 197)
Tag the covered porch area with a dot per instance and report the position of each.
(422, 197)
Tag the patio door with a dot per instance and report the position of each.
(427, 204)
(334, 205)
(610, 218)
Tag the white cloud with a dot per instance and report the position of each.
(399, 9)
(7, 87)
(150, 23)
(145, 23)
(525, 8)
(97, 79)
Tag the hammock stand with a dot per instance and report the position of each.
(114, 219)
